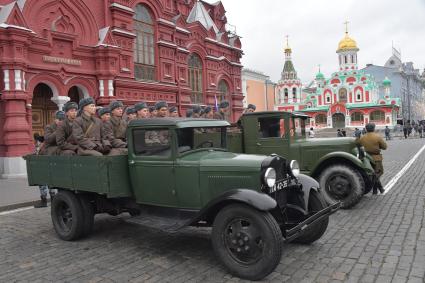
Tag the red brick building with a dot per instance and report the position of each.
(53, 51)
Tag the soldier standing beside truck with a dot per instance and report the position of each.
(64, 139)
(373, 144)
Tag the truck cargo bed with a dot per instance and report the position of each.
(107, 175)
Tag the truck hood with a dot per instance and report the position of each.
(219, 160)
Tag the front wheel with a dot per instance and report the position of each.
(342, 183)
(247, 241)
(314, 232)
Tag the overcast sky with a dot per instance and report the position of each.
(315, 28)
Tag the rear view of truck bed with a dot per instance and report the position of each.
(103, 175)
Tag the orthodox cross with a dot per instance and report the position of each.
(346, 26)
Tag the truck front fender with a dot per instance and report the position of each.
(308, 184)
(258, 200)
(340, 157)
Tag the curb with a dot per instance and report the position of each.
(19, 205)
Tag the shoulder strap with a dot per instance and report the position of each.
(88, 129)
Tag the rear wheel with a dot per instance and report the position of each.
(316, 203)
(247, 241)
(342, 183)
(67, 216)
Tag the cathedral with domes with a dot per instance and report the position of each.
(348, 98)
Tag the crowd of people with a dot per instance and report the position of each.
(84, 129)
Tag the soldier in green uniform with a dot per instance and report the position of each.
(142, 110)
(250, 109)
(174, 112)
(64, 139)
(50, 146)
(104, 114)
(208, 113)
(373, 144)
(131, 114)
(115, 129)
(196, 110)
(223, 109)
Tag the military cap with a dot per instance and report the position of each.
(151, 109)
(85, 101)
(140, 106)
(70, 105)
(189, 113)
(161, 104)
(130, 110)
(173, 109)
(196, 109)
(224, 104)
(60, 115)
(252, 106)
(370, 127)
(115, 104)
(207, 109)
(103, 111)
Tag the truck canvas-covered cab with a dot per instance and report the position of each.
(179, 173)
(342, 168)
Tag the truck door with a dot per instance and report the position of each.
(266, 135)
(152, 166)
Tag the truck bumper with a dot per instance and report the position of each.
(294, 232)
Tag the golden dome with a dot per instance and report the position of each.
(347, 43)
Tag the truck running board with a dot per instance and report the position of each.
(294, 232)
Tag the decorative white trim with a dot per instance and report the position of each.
(121, 31)
(18, 80)
(183, 30)
(122, 7)
(101, 88)
(3, 25)
(167, 43)
(164, 21)
(24, 81)
(110, 87)
(183, 50)
(222, 44)
(6, 80)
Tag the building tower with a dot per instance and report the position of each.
(387, 87)
(347, 52)
(289, 86)
(320, 79)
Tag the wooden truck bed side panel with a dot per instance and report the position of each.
(103, 175)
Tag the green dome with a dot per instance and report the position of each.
(386, 82)
(320, 76)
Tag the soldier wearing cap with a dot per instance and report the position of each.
(250, 109)
(142, 110)
(162, 109)
(208, 112)
(104, 114)
(115, 129)
(87, 131)
(160, 137)
(174, 111)
(64, 138)
(373, 144)
(189, 113)
(196, 111)
(152, 112)
(50, 146)
(131, 114)
(222, 111)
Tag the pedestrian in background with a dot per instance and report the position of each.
(387, 133)
(344, 133)
(338, 133)
(357, 133)
(311, 133)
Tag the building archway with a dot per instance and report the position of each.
(43, 108)
(338, 120)
(77, 92)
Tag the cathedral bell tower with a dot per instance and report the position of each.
(347, 52)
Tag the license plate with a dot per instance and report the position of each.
(279, 186)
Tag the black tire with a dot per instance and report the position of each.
(67, 215)
(88, 215)
(316, 202)
(342, 183)
(238, 226)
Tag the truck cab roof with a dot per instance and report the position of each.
(178, 122)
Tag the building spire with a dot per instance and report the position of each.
(288, 49)
(346, 26)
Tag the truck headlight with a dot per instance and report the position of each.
(270, 177)
(295, 168)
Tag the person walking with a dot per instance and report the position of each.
(373, 144)
(311, 133)
(339, 133)
(387, 133)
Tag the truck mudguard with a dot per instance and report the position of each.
(308, 184)
(338, 155)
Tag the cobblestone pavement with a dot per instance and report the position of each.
(381, 240)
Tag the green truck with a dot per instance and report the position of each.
(342, 168)
(254, 203)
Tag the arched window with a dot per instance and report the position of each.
(223, 90)
(286, 93)
(294, 92)
(144, 48)
(357, 117)
(377, 116)
(345, 59)
(195, 78)
(320, 119)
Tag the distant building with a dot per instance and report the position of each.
(258, 89)
(407, 84)
(349, 98)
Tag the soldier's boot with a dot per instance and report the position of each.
(41, 203)
(374, 191)
(381, 189)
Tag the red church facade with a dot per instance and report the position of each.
(130, 50)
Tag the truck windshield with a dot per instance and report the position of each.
(196, 138)
(297, 126)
